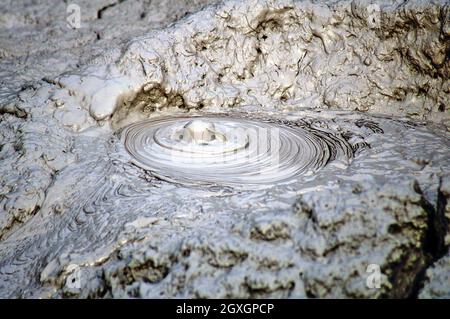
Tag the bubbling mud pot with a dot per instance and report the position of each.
(230, 151)
(260, 148)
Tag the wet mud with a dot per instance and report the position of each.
(236, 149)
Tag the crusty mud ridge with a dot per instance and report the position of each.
(225, 149)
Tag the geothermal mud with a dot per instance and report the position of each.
(97, 195)
(230, 151)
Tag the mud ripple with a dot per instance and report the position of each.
(230, 151)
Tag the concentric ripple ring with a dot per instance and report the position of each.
(220, 150)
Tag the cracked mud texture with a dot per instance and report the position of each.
(74, 209)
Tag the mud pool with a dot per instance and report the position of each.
(235, 149)
(230, 151)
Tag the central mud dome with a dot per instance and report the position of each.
(294, 149)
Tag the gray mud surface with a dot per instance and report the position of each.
(366, 82)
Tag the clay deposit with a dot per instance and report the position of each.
(97, 198)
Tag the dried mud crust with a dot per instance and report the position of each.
(323, 248)
(69, 196)
(295, 54)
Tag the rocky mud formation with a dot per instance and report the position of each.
(79, 219)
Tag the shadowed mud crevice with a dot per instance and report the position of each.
(16, 223)
(433, 247)
(13, 109)
(153, 97)
(101, 11)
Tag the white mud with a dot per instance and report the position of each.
(361, 87)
